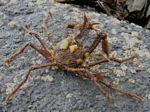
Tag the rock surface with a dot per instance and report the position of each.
(54, 90)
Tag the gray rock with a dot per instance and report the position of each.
(51, 96)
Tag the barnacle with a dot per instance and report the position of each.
(131, 81)
(116, 81)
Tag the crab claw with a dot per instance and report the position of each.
(85, 20)
(88, 24)
(91, 25)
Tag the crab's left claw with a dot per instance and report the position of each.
(88, 24)
(84, 24)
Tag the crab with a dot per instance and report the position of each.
(69, 54)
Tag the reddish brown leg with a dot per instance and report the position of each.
(86, 74)
(86, 24)
(112, 59)
(21, 50)
(101, 36)
(121, 91)
(46, 29)
(37, 36)
(98, 78)
(26, 77)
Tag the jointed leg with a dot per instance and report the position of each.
(26, 77)
(21, 50)
(112, 59)
(109, 85)
(95, 78)
(37, 36)
(101, 36)
(86, 74)
(121, 91)
(16, 54)
(86, 24)
(46, 29)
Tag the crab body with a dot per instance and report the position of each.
(67, 53)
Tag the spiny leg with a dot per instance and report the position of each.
(44, 53)
(112, 59)
(94, 80)
(101, 36)
(97, 77)
(21, 50)
(26, 77)
(15, 54)
(100, 79)
(109, 85)
(37, 36)
(121, 91)
(48, 14)
(86, 74)
(86, 24)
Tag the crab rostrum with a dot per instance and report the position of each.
(69, 54)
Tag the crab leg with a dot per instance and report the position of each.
(101, 36)
(37, 36)
(26, 77)
(21, 50)
(112, 59)
(86, 24)
(46, 29)
(86, 74)
(95, 78)
(121, 91)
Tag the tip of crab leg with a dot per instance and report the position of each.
(6, 62)
(109, 103)
(50, 13)
(137, 97)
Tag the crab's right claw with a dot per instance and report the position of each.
(91, 25)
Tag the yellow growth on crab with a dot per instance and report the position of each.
(79, 61)
(73, 48)
(64, 44)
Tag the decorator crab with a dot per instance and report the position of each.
(69, 55)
